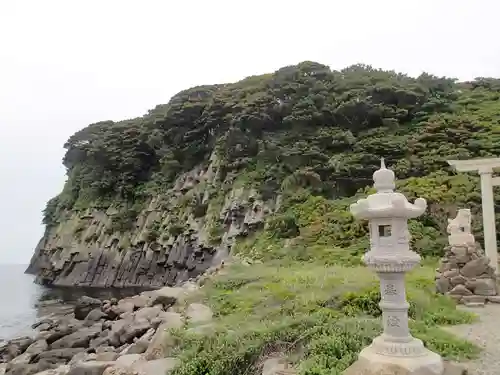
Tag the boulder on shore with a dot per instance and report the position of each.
(84, 306)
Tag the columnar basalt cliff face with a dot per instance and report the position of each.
(175, 238)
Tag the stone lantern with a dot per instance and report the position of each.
(395, 350)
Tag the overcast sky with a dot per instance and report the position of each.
(65, 64)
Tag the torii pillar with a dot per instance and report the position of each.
(485, 169)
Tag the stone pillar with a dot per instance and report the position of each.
(395, 351)
(394, 306)
(489, 223)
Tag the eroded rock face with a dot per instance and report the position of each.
(84, 249)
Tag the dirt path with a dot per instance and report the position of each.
(486, 334)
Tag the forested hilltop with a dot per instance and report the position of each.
(285, 152)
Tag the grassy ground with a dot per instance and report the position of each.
(319, 316)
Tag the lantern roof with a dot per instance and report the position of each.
(386, 203)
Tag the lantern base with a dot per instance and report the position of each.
(371, 362)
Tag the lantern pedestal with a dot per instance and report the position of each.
(370, 362)
(395, 351)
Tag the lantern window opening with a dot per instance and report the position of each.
(384, 230)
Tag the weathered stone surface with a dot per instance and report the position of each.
(446, 265)
(60, 370)
(59, 332)
(123, 306)
(167, 296)
(458, 280)
(24, 369)
(44, 327)
(16, 347)
(78, 339)
(198, 313)
(460, 290)
(58, 355)
(37, 347)
(474, 298)
(106, 356)
(147, 313)
(135, 365)
(483, 287)
(156, 367)
(443, 285)
(140, 346)
(459, 250)
(105, 349)
(24, 358)
(133, 330)
(82, 357)
(90, 367)
(451, 368)
(475, 267)
(140, 301)
(84, 306)
(95, 315)
(162, 342)
(43, 324)
(450, 274)
(127, 360)
(100, 341)
(493, 299)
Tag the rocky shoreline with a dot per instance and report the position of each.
(94, 337)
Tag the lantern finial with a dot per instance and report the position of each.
(384, 179)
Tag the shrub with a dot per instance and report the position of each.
(282, 226)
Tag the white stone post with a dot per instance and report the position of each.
(489, 222)
(395, 351)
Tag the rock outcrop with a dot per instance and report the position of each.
(176, 236)
(129, 336)
(465, 272)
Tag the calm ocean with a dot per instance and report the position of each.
(18, 297)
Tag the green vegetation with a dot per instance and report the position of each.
(321, 317)
(301, 127)
(312, 137)
(124, 219)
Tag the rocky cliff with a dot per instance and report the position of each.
(176, 237)
(161, 198)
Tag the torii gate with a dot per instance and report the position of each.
(485, 169)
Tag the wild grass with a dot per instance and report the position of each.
(319, 316)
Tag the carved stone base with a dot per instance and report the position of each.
(392, 347)
(370, 362)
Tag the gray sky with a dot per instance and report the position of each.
(65, 64)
